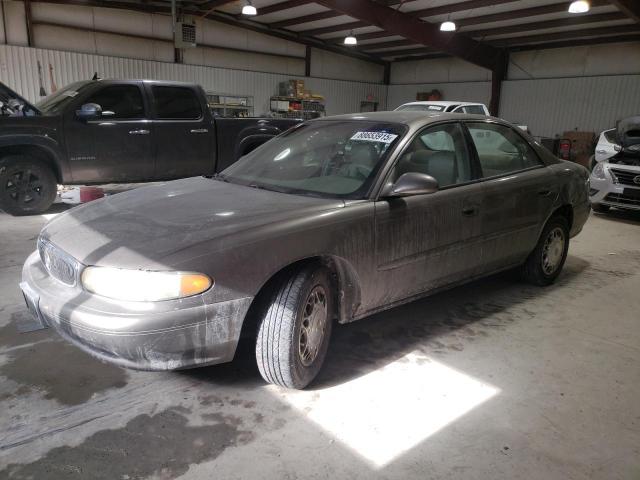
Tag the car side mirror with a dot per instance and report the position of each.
(410, 184)
(89, 111)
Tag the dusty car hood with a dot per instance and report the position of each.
(140, 228)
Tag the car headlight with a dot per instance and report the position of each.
(143, 285)
(598, 172)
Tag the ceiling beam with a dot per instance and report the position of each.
(577, 43)
(456, 7)
(524, 12)
(212, 4)
(397, 23)
(277, 7)
(566, 35)
(335, 28)
(630, 8)
(408, 51)
(562, 22)
(304, 19)
(229, 20)
(391, 44)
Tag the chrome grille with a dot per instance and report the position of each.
(60, 265)
(623, 199)
(626, 177)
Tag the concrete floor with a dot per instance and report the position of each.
(495, 380)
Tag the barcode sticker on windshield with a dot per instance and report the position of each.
(382, 137)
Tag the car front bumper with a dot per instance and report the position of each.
(166, 335)
(618, 188)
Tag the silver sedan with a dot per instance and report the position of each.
(330, 222)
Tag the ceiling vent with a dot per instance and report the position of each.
(185, 34)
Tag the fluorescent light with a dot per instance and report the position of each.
(579, 6)
(350, 39)
(249, 9)
(448, 26)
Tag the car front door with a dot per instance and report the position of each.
(425, 241)
(519, 192)
(182, 132)
(116, 145)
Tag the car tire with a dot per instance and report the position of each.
(27, 185)
(295, 328)
(599, 208)
(545, 263)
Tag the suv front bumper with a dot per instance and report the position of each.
(619, 187)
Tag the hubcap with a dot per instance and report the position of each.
(24, 187)
(312, 328)
(553, 250)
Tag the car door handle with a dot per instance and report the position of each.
(470, 211)
(139, 132)
(199, 130)
(601, 151)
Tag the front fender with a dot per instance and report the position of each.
(49, 146)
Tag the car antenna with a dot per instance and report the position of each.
(95, 76)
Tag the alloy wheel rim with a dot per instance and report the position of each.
(553, 250)
(24, 187)
(313, 325)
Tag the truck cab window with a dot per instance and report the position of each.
(124, 101)
(176, 103)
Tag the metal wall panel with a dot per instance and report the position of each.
(463, 91)
(18, 69)
(552, 106)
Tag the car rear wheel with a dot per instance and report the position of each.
(599, 208)
(27, 186)
(294, 331)
(545, 263)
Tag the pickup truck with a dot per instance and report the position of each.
(115, 131)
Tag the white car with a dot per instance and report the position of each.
(615, 178)
(606, 147)
(440, 106)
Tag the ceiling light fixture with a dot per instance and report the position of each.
(448, 26)
(249, 9)
(350, 39)
(579, 6)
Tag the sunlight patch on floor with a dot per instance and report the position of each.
(385, 413)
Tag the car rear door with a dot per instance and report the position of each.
(183, 136)
(116, 146)
(519, 193)
(426, 241)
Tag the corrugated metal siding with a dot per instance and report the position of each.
(552, 106)
(18, 69)
(464, 91)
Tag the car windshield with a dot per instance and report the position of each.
(421, 108)
(56, 102)
(327, 158)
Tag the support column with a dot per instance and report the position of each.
(307, 61)
(497, 76)
(27, 11)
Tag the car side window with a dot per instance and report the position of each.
(176, 103)
(119, 101)
(439, 151)
(501, 150)
(475, 109)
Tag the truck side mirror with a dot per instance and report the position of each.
(410, 184)
(89, 111)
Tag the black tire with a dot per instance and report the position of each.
(27, 185)
(536, 269)
(280, 338)
(599, 208)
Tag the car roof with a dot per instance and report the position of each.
(409, 118)
(442, 103)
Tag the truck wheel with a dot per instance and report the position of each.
(27, 186)
(546, 261)
(599, 208)
(294, 331)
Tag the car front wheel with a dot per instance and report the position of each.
(27, 186)
(545, 263)
(294, 331)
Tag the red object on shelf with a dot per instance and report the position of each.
(90, 193)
